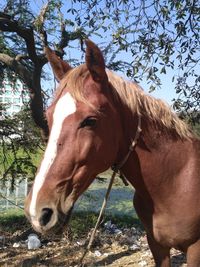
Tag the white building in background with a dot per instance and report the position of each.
(14, 96)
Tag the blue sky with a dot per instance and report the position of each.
(166, 90)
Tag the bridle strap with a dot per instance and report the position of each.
(117, 167)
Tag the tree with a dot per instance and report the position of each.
(20, 143)
(154, 35)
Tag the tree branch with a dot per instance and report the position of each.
(31, 79)
(20, 57)
(32, 82)
(17, 67)
(9, 25)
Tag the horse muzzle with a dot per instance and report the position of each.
(49, 220)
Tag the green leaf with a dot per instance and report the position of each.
(163, 70)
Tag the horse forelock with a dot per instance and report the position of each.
(73, 82)
(132, 95)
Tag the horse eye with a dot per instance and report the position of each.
(88, 122)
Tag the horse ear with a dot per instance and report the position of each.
(59, 66)
(95, 62)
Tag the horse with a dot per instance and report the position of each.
(93, 120)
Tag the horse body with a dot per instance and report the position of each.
(170, 206)
(164, 170)
(95, 132)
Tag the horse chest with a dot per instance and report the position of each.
(174, 232)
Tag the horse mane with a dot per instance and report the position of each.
(155, 110)
(132, 95)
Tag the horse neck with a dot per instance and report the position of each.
(147, 165)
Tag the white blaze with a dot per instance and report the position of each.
(64, 107)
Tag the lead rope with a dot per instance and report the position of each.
(99, 218)
(116, 169)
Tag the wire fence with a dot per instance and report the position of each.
(13, 196)
(120, 201)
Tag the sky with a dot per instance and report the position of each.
(166, 90)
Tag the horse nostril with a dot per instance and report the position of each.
(45, 216)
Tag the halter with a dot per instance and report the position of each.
(117, 167)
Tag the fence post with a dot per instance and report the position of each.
(16, 192)
(25, 186)
(7, 194)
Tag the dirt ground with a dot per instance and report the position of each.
(128, 247)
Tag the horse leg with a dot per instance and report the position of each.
(161, 254)
(193, 255)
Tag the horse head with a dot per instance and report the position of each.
(85, 133)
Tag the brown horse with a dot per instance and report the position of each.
(93, 119)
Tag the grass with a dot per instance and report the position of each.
(12, 220)
(21, 161)
(119, 209)
(120, 201)
(80, 223)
